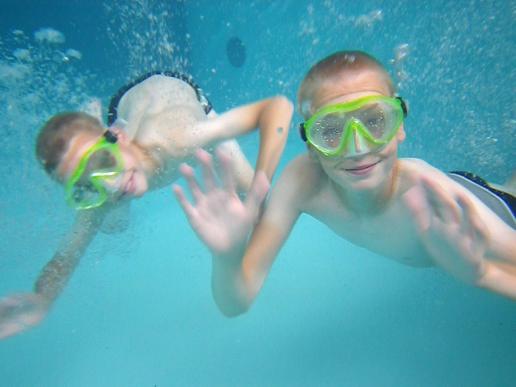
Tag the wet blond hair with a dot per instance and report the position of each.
(335, 66)
(55, 136)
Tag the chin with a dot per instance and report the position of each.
(141, 187)
(365, 183)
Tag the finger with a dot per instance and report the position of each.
(208, 174)
(258, 191)
(418, 205)
(10, 328)
(471, 221)
(225, 170)
(189, 175)
(442, 202)
(183, 201)
(9, 302)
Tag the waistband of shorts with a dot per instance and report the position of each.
(501, 203)
(115, 100)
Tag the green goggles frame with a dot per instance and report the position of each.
(107, 142)
(305, 128)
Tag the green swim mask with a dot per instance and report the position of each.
(98, 170)
(356, 127)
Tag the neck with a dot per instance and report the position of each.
(370, 202)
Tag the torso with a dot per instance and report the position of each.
(158, 110)
(391, 232)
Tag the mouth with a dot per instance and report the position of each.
(361, 170)
(128, 186)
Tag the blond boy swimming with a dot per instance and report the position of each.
(352, 180)
(154, 124)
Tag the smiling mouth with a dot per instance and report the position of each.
(362, 169)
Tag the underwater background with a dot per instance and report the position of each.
(138, 310)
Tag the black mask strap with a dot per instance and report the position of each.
(302, 131)
(403, 106)
(110, 136)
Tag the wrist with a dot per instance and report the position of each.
(231, 257)
(487, 275)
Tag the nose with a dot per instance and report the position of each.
(356, 139)
(111, 182)
(356, 143)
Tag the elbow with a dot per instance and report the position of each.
(232, 310)
(232, 303)
(283, 103)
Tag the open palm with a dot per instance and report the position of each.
(451, 229)
(219, 217)
(20, 312)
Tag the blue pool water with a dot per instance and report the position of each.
(138, 311)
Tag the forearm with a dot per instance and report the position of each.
(274, 125)
(231, 292)
(54, 276)
(499, 280)
(56, 273)
(271, 116)
(238, 276)
(499, 272)
(502, 247)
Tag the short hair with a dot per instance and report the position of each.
(336, 65)
(55, 136)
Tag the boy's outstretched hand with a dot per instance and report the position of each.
(20, 312)
(451, 229)
(219, 217)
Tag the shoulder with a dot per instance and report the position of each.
(301, 179)
(412, 170)
(414, 165)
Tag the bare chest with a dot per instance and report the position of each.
(392, 233)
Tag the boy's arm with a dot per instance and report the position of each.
(237, 277)
(271, 116)
(223, 222)
(19, 312)
(466, 240)
(499, 278)
(59, 269)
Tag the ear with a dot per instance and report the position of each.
(122, 136)
(401, 135)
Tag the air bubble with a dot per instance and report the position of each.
(22, 54)
(49, 35)
(401, 51)
(71, 53)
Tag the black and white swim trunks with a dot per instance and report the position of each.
(115, 100)
(501, 203)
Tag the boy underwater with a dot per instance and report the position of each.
(154, 124)
(352, 180)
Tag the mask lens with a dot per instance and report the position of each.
(102, 160)
(86, 195)
(97, 173)
(326, 132)
(380, 119)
